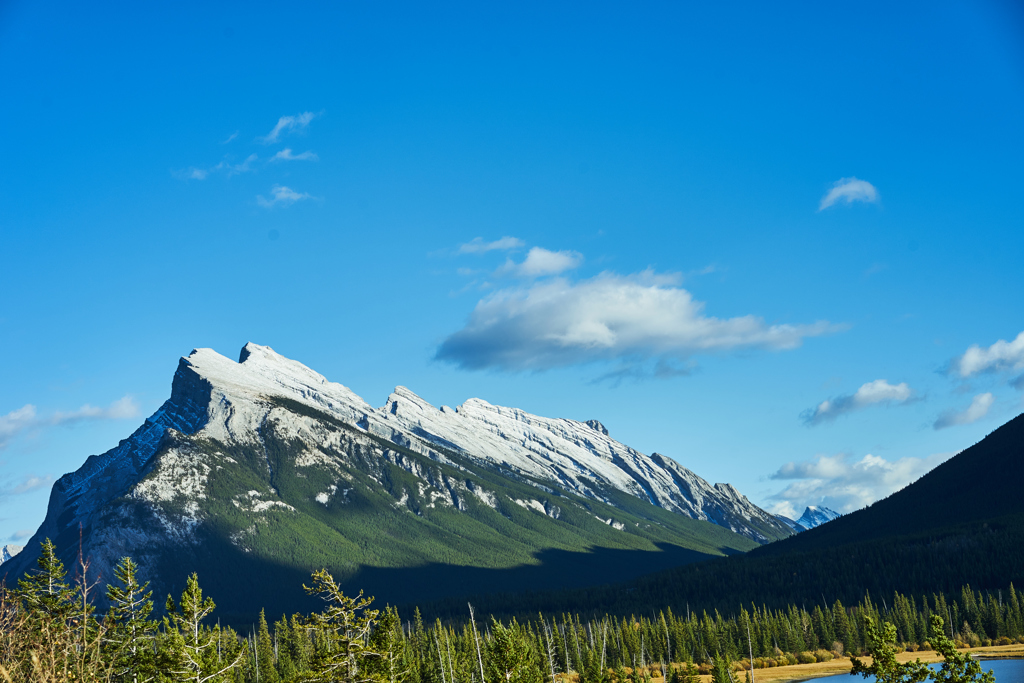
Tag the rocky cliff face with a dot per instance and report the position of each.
(265, 440)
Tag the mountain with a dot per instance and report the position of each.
(255, 472)
(9, 551)
(816, 516)
(961, 523)
(813, 516)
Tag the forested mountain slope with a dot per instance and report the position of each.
(256, 472)
(962, 523)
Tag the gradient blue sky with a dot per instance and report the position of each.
(662, 172)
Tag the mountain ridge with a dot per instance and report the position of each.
(245, 457)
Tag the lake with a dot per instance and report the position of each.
(1005, 670)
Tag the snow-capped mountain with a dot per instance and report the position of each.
(238, 444)
(9, 551)
(816, 516)
(813, 516)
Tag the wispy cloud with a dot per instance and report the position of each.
(287, 155)
(226, 167)
(21, 534)
(230, 138)
(1000, 356)
(844, 484)
(477, 245)
(282, 196)
(25, 419)
(540, 262)
(871, 393)
(26, 484)
(848, 191)
(16, 422)
(286, 124)
(608, 317)
(978, 409)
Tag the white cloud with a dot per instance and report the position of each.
(285, 196)
(25, 418)
(878, 391)
(849, 190)
(15, 422)
(540, 262)
(1001, 356)
(842, 484)
(21, 534)
(610, 316)
(478, 246)
(230, 138)
(974, 412)
(286, 155)
(299, 122)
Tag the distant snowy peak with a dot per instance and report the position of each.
(816, 516)
(813, 516)
(9, 551)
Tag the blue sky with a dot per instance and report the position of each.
(781, 245)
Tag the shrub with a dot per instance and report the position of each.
(926, 646)
(1004, 641)
(806, 658)
(823, 656)
(790, 659)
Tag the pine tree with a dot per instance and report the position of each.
(129, 629)
(957, 667)
(392, 664)
(510, 658)
(192, 650)
(265, 660)
(342, 630)
(881, 645)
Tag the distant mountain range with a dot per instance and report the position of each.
(255, 472)
(813, 516)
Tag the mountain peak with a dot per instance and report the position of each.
(597, 426)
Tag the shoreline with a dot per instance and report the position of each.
(795, 673)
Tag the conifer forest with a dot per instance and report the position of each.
(51, 629)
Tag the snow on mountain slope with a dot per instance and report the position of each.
(581, 457)
(816, 516)
(9, 551)
(217, 399)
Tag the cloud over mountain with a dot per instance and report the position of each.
(871, 393)
(844, 484)
(978, 409)
(558, 322)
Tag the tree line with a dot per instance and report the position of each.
(51, 629)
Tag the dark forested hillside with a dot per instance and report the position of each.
(962, 523)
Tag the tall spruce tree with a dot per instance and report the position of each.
(129, 630)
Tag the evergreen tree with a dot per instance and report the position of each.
(881, 645)
(957, 667)
(342, 630)
(266, 664)
(510, 658)
(392, 664)
(130, 632)
(192, 648)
